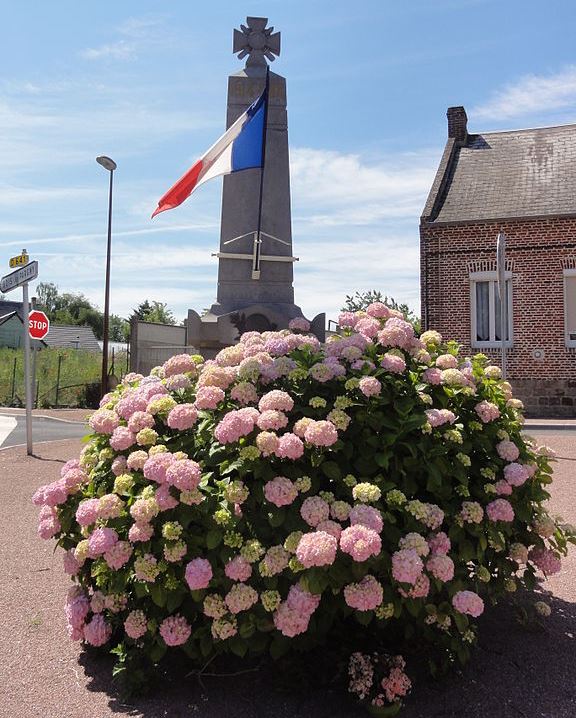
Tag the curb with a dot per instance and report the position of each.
(35, 443)
(535, 425)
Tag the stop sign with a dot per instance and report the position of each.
(38, 324)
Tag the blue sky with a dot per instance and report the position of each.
(145, 83)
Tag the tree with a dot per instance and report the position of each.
(157, 312)
(47, 297)
(119, 329)
(360, 300)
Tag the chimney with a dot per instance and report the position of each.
(457, 123)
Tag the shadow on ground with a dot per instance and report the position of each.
(516, 671)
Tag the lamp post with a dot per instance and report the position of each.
(109, 165)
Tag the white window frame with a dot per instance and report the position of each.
(569, 342)
(491, 277)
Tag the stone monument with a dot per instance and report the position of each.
(255, 270)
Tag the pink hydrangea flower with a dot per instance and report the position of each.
(432, 376)
(238, 569)
(367, 516)
(314, 510)
(439, 543)
(129, 404)
(378, 310)
(370, 386)
(546, 560)
(182, 417)
(136, 460)
(289, 621)
(280, 491)
(52, 494)
(234, 425)
(198, 574)
(110, 506)
(347, 320)
(500, 510)
(184, 475)
(320, 433)
(244, 393)
(507, 450)
(122, 438)
(469, 603)
(156, 466)
(366, 595)
(140, 532)
(267, 442)
(76, 608)
(396, 684)
(516, 474)
(368, 326)
(330, 527)
(437, 417)
(487, 411)
(441, 567)
(396, 333)
(73, 478)
(208, 397)
(406, 565)
(178, 381)
(360, 542)
(164, 498)
(393, 363)
(87, 512)
(290, 446)
(179, 364)
(118, 554)
(302, 601)
(98, 631)
(104, 421)
(175, 630)
(140, 420)
(420, 588)
(276, 401)
(317, 549)
(415, 541)
(272, 420)
(71, 565)
(240, 597)
(119, 465)
(136, 624)
(101, 540)
(503, 488)
(49, 525)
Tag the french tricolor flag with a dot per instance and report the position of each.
(241, 147)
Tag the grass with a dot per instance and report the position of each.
(78, 369)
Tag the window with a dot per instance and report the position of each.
(570, 306)
(486, 310)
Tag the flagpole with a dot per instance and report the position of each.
(257, 237)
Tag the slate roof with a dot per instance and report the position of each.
(61, 335)
(7, 306)
(505, 175)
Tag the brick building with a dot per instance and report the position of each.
(522, 183)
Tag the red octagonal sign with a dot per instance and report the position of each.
(38, 324)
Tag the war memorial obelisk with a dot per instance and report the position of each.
(255, 272)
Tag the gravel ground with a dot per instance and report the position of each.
(516, 671)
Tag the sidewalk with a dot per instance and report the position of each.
(515, 672)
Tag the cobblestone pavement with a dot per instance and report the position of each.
(515, 673)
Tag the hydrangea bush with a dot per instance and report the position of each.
(257, 501)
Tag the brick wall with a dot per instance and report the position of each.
(537, 252)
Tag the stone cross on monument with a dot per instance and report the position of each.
(255, 269)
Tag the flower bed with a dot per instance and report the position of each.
(262, 500)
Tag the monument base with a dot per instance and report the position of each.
(221, 328)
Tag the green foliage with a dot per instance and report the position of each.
(75, 309)
(154, 312)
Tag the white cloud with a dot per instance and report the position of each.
(531, 94)
(332, 188)
(120, 50)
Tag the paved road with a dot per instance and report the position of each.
(13, 430)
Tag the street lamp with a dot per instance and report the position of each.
(109, 165)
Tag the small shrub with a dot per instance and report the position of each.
(258, 502)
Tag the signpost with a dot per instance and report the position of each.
(503, 294)
(20, 278)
